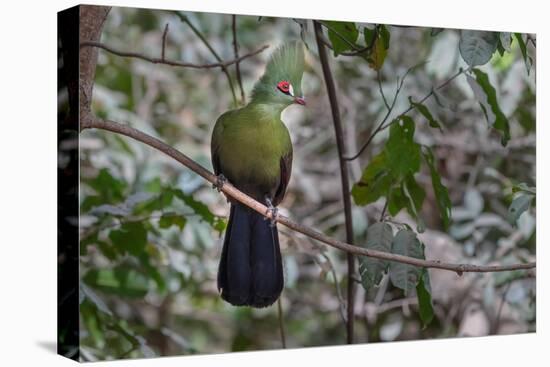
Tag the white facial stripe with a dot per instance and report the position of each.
(291, 90)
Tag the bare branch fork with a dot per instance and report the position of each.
(199, 34)
(156, 60)
(94, 122)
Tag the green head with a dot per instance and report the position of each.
(281, 83)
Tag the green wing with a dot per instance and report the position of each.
(286, 170)
(215, 142)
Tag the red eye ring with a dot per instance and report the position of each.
(283, 86)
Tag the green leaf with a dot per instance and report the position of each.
(154, 186)
(523, 187)
(379, 237)
(523, 47)
(385, 36)
(477, 47)
(426, 113)
(424, 296)
(519, 205)
(396, 201)
(487, 98)
(403, 153)
(375, 181)
(91, 322)
(123, 281)
(109, 188)
(414, 195)
(109, 251)
(172, 219)
(441, 193)
(407, 195)
(369, 34)
(89, 202)
(158, 202)
(405, 276)
(95, 299)
(87, 240)
(201, 209)
(378, 53)
(506, 41)
(500, 49)
(114, 210)
(130, 238)
(435, 31)
(153, 272)
(342, 35)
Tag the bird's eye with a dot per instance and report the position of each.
(285, 87)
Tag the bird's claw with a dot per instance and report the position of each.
(273, 211)
(220, 181)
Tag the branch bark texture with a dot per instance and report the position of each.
(344, 175)
(91, 25)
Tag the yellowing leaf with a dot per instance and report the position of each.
(378, 54)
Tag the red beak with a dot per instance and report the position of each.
(300, 100)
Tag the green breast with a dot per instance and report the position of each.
(250, 143)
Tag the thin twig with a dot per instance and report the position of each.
(155, 60)
(236, 50)
(281, 323)
(344, 175)
(381, 91)
(432, 92)
(332, 270)
(381, 125)
(533, 41)
(164, 34)
(383, 213)
(230, 190)
(336, 284)
(500, 306)
(199, 34)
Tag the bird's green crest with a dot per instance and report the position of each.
(286, 64)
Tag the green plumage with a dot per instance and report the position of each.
(251, 147)
(286, 63)
(249, 143)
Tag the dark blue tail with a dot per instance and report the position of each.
(251, 270)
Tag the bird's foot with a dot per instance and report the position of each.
(271, 209)
(220, 181)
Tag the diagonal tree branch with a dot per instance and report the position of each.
(230, 190)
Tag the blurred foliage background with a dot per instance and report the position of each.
(151, 230)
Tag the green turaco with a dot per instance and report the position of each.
(251, 148)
